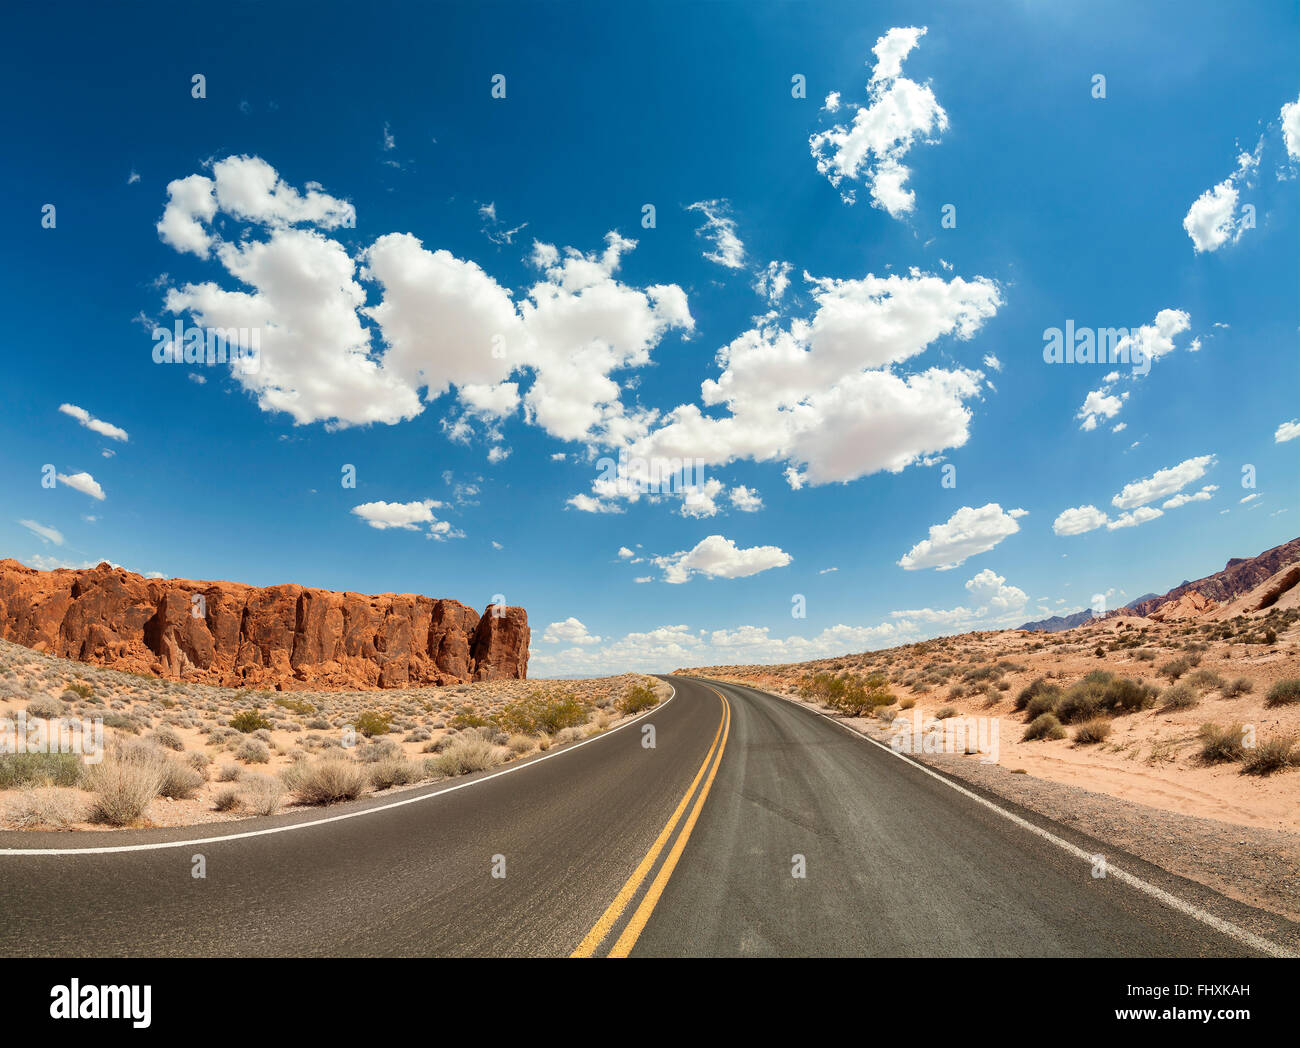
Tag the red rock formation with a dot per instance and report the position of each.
(1189, 606)
(280, 637)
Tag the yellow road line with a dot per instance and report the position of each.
(615, 909)
(634, 927)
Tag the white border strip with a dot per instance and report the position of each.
(191, 841)
(1240, 935)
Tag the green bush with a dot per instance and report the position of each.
(1044, 726)
(1043, 701)
(637, 698)
(371, 723)
(1125, 695)
(249, 721)
(1283, 693)
(1271, 756)
(468, 717)
(538, 713)
(1220, 745)
(1034, 688)
(1175, 669)
(856, 696)
(20, 771)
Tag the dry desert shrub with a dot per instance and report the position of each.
(179, 780)
(1220, 745)
(167, 738)
(1092, 731)
(1240, 686)
(1283, 693)
(251, 751)
(46, 707)
(468, 753)
(226, 800)
(1179, 697)
(263, 794)
(48, 807)
(393, 771)
(124, 782)
(326, 781)
(1271, 756)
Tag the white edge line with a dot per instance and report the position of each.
(191, 841)
(1241, 935)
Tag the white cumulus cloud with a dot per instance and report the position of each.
(965, 534)
(719, 557)
(720, 230)
(82, 482)
(407, 516)
(1287, 431)
(1078, 520)
(1162, 483)
(570, 631)
(871, 148)
(106, 429)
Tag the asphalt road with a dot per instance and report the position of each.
(609, 847)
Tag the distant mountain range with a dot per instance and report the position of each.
(1059, 622)
(1239, 575)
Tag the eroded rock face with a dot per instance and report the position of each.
(1189, 606)
(1239, 575)
(277, 637)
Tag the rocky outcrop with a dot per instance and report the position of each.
(276, 637)
(1280, 591)
(1190, 605)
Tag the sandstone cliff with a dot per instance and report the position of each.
(277, 637)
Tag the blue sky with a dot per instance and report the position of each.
(447, 297)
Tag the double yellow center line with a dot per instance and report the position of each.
(632, 931)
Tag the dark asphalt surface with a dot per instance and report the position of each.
(897, 864)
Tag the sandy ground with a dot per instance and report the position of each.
(192, 723)
(1151, 757)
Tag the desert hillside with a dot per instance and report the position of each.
(1194, 709)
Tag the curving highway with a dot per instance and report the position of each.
(752, 826)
